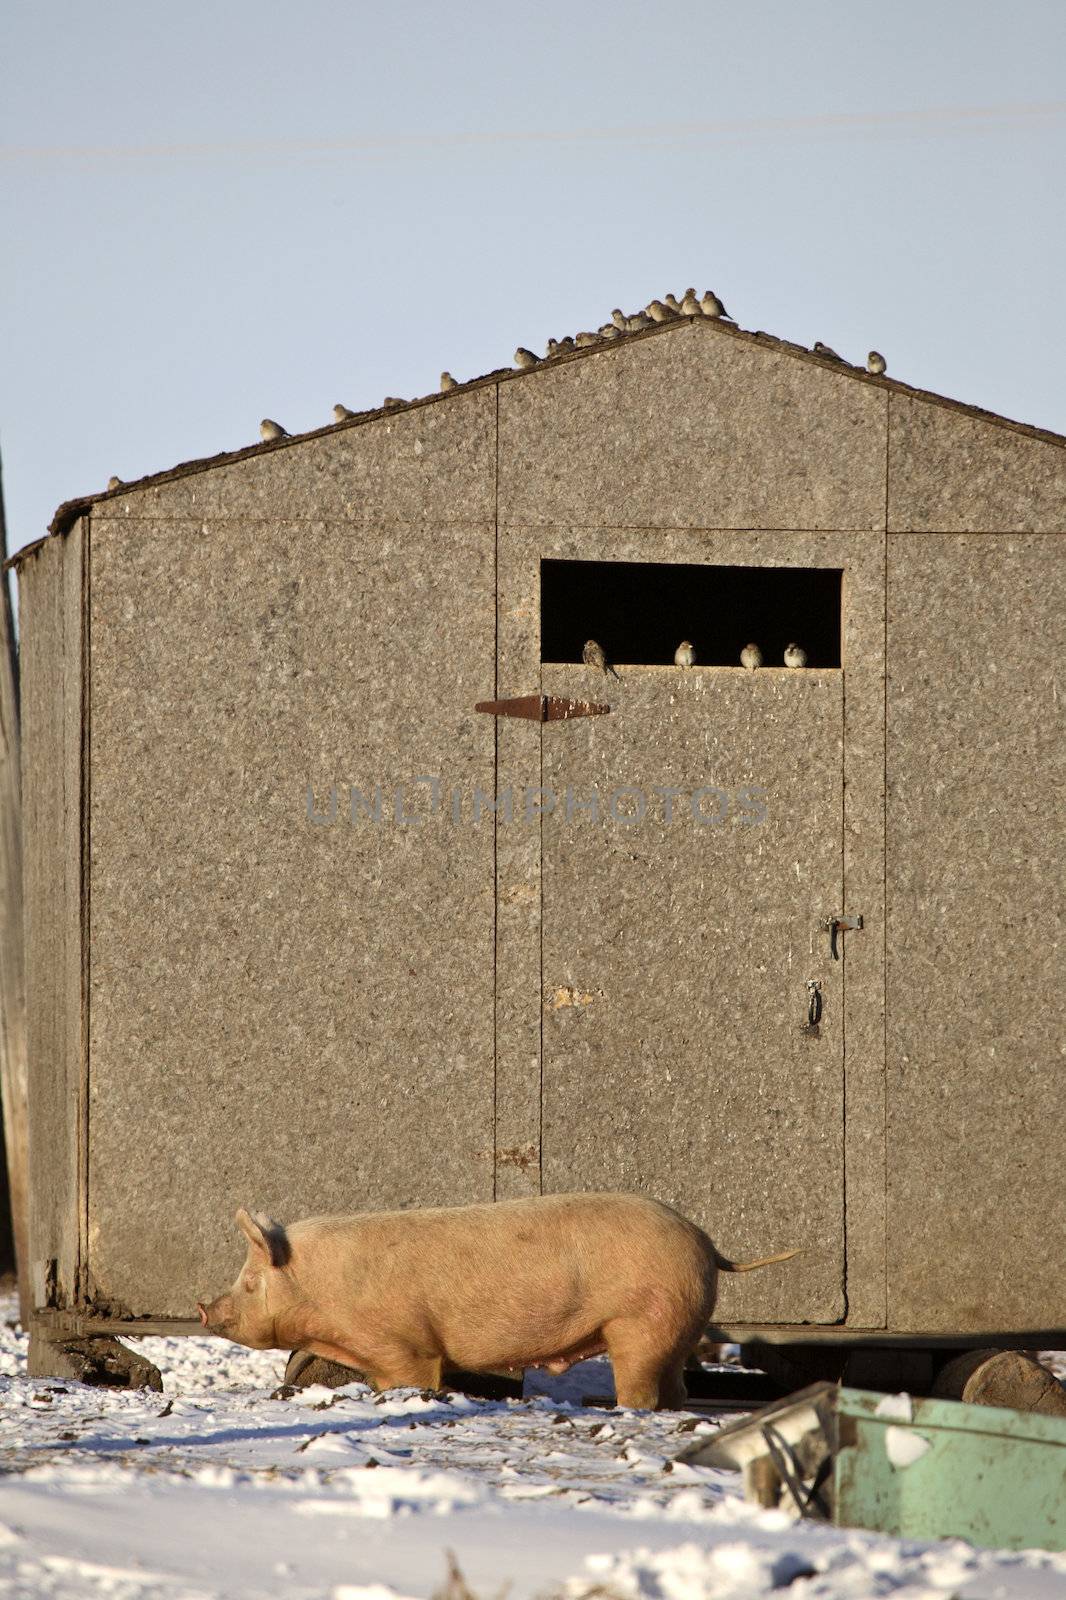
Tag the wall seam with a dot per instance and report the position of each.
(82, 1291)
(495, 1141)
(884, 879)
(844, 899)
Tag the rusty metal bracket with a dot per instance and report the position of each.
(836, 925)
(541, 708)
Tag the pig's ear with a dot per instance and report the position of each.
(266, 1237)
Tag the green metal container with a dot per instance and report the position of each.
(921, 1469)
(992, 1476)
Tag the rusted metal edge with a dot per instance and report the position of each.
(541, 708)
(841, 1333)
(530, 706)
(557, 710)
(80, 1324)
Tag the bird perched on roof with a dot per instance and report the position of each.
(876, 363)
(684, 655)
(559, 347)
(690, 306)
(447, 382)
(114, 483)
(711, 306)
(583, 339)
(593, 656)
(751, 657)
(620, 320)
(795, 656)
(609, 331)
(821, 349)
(638, 322)
(674, 303)
(269, 429)
(658, 311)
(524, 358)
(391, 401)
(341, 413)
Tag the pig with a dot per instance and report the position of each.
(540, 1282)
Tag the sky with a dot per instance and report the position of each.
(216, 212)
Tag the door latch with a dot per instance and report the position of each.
(814, 1007)
(838, 924)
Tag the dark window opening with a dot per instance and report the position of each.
(641, 611)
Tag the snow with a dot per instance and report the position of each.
(216, 1489)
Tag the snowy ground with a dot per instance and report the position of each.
(216, 1489)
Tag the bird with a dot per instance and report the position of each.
(609, 331)
(269, 429)
(593, 656)
(821, 349)
(341, 413)
(559, 347)
(524, 358)
(876, 363)
(638, 322)
(684, 655)
(620, 320)
(447, 382)
(658, 311)
(711, 306)
(113, 482)
(751, 657)
(391, 401)
(674, 303)
(690, 306)
(583, 339)
(795, 656)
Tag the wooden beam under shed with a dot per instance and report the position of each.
(13, 1061)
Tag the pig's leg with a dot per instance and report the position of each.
(673, 1396)
(406, 1369)
(646, 1376)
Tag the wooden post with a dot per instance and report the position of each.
(13, 1066)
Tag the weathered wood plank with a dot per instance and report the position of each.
(13, 1081)
(51, 613)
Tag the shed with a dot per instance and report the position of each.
(310, 931)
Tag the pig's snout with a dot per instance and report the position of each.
(217, 1316)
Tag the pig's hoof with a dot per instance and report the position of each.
(303, 1369)
(101, 1361)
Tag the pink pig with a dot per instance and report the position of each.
(545, 1282)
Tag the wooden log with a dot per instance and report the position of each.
(304, 1369)
(103, 1362)
(1009, 1378)
(13, 1059)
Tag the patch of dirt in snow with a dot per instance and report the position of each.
(216, 1489)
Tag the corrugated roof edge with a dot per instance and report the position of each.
(69, 512)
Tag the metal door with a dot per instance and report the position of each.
(692, 844)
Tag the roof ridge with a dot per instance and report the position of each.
(67, 513)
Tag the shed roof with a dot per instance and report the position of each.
(68, 513)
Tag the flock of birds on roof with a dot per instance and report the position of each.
(668, 309)
(594, 655)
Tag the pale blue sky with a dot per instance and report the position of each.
(216, 212)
